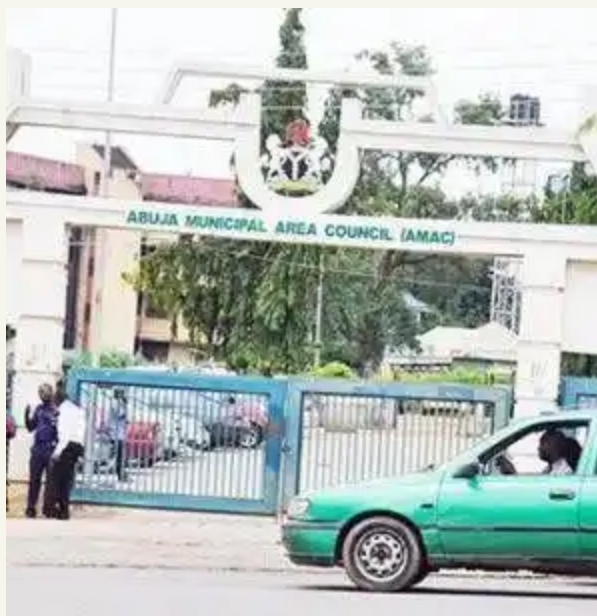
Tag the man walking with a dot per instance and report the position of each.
(68, 451)
(43, 422)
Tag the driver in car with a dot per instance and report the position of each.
(553, 449)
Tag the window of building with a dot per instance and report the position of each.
(97, 182)
(154, 351)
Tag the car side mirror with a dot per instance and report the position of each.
(468, 471)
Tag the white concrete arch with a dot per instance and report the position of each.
(560, 263)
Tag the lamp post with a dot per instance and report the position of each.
(109, 98)
(319, 310)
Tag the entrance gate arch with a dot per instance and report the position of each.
(551, 318)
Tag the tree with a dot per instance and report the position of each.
(250, 302)
(399, 184)
(572, 202)
(244, 300)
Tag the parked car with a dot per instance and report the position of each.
(210, 420)
(163, 423)
(493, 507)
(144, 445)
(145, 438)
(242, 423)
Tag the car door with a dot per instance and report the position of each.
(588, 507)
(509, 516)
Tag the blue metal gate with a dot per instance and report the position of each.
(247, 445)
(342, 431)
(180, 440)
(579, 392)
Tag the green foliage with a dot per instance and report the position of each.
(106, 359)
(574, 364)
(333, 370)
(400, 184)
(589, 125)
(575, 203)
(253, 304)
(463, 376)
(76, 359)
(116, 359)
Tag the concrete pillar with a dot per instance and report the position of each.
(541, 329)
(18, 75)
(588, 141)
(588, 137)
(114, 303)
(42, 290)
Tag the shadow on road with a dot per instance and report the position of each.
(473, 592)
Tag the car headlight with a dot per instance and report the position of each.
(298, 507)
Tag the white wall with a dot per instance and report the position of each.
(14, 251)
(580, 308)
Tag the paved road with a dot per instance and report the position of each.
(98, 592)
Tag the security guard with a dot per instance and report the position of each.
(43, 422)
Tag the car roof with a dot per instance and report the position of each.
(571, 414)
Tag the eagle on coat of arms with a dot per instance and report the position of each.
(296, 165)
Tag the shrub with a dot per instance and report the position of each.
(333, 370)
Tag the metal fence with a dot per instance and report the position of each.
(180, 441)
(346, 438)
(347, 432)
(578, 392)
(248, 445)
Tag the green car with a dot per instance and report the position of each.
(523, 499)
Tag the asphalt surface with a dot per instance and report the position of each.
(155, 592)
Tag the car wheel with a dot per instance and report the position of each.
(251, 437)
(421, 577)
(381, 554)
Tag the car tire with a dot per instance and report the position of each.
(382, 554)
(423, 575)
(251, 437)
(221, 436)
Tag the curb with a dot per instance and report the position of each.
(278, 570)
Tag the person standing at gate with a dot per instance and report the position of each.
(118, 425)
(43, 422)
(69, 450)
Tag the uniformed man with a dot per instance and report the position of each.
(43, 423)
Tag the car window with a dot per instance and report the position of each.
(521, 455)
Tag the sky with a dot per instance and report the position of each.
(551, 53)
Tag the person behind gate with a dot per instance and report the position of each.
(43, 422)
(118, 428)
(69, 450)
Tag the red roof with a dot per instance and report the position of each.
(36, 173)
(186, 189)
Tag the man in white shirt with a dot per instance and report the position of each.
(68, 451)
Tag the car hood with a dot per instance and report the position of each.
(399, 494)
